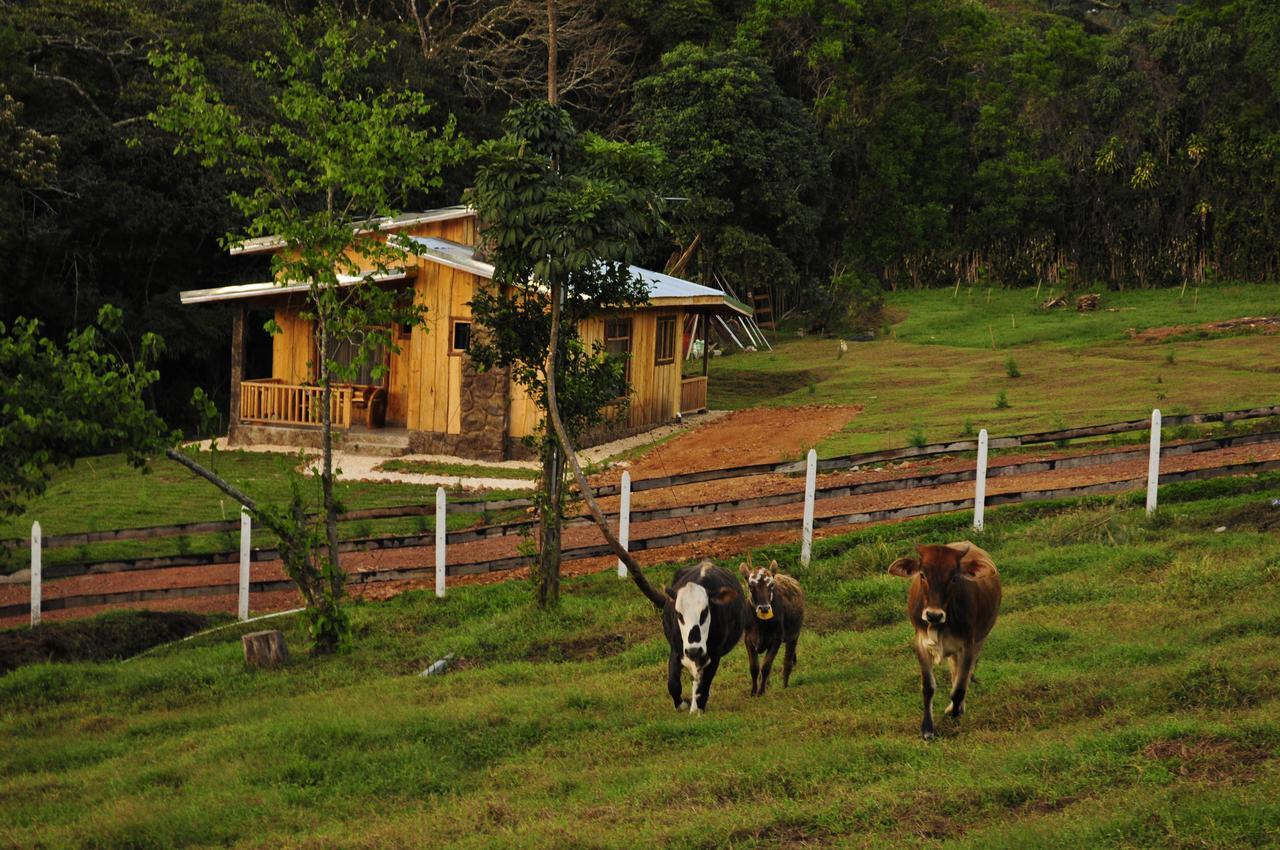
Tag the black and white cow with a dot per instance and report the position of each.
(703, 618)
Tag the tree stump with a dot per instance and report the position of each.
(265, 649)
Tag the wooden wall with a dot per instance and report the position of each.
(435, 376)
(292, 350)
(655, 390)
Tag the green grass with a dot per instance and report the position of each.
(1128, 697)
(427, 467)
(939, 369)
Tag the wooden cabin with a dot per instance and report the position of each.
(431, 399)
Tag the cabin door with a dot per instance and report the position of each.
(398, 378)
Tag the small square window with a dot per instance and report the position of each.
(459, 336)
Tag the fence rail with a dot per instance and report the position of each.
(462, 568)
(828, 465)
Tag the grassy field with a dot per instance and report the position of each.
(1128, 697)
(949, 358)
(104, 493)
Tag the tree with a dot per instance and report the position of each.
(500, 49)
(563, 217)
(748, 159)
(326, 162)
(62, 402)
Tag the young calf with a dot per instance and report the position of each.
(952, 603)
(702, 620)
(777, 613)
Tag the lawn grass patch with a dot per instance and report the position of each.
(458, 470)
(938, 371)
(1127, 697)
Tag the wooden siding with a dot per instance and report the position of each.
(292, 349)
(435, 376)
(655, 390)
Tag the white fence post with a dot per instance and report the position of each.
(980, 483)
(810, 484)
(624, 520)
(246, 531)
(440, 542)
(1153, 462)
(35, 573)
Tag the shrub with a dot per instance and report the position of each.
(853, 298)
(1002, 400)
(916, 438)
(1011, 368)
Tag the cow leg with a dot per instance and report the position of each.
(789, 661)
(960, 685)
(927, 686)
(702, 686)
(753, 658)
(673, 681)
(767, 666)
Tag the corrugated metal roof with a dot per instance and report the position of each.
(663, 288)
(270, 287)
(452, 254)
(271, 243)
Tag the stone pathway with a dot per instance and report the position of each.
(356, 467)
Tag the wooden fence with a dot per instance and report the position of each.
(808, 495)
(461, 568)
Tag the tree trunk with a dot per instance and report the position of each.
(550, 522)
(265, 650)
(552, 54)
(326, 473)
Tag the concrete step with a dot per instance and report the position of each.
(377, 443)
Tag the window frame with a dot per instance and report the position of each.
(658, 358)
(454, 321)
(629, 323)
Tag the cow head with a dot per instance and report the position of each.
(692, 604)
(760, 583)
(938, 570)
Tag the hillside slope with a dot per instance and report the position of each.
(1128, 697)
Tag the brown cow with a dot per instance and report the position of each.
(777, 614)
(952, 603)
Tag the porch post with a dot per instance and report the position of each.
(237, 369)
(706, 343)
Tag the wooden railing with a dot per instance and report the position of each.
(693, 394)
(274, 402)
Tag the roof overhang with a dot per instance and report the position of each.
(270, 288)
(712, 303)
(265, 244)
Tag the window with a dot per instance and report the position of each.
(346, 353)
(403, 332)
(617, 343)
(664, 349)
(459, 336)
